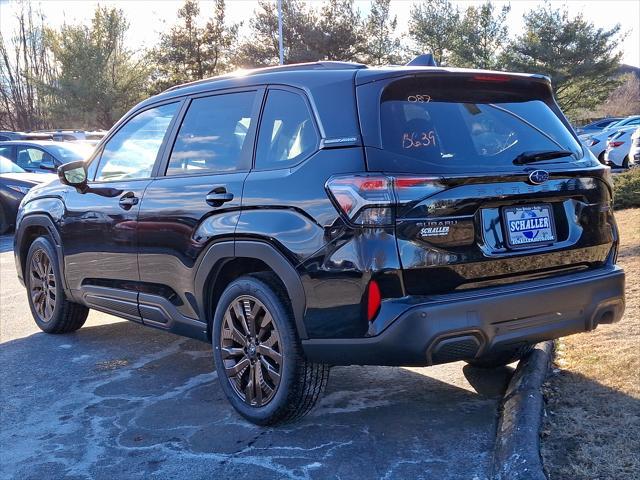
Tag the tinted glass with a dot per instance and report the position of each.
(212, 135)
(5, 151)
(287, 133)
(604, 123)
(132, 151)
(435, 125)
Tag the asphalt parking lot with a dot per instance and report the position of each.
(118, 400)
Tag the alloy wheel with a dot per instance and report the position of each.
(42, 284)
(251, 350)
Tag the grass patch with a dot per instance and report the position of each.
(592, 426)
(627, 189)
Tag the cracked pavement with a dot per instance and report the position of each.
(119, 400)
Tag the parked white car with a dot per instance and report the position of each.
(618, 146)
(597, 143)
(634, 151)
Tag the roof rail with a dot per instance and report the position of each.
(322, 65)
(424, 60)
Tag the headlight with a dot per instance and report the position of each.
(19, 188)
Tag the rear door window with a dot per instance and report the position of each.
(212, 136)
(440, 125)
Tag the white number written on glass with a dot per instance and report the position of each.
(419, 139)
(419, 98)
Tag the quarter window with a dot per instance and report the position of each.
(131, 153)
(287, 132)
(212, 137)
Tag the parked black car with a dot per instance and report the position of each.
(14, 185)
(331, 214)
(43, 156)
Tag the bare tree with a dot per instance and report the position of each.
(25, 66)
(624, 100)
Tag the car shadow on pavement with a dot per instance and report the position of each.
(119, 400)
(490, 382)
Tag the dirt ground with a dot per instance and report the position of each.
(592, 423)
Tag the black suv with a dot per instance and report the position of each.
(332, 214)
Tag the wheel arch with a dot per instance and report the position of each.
(31, 227)
(246, 253)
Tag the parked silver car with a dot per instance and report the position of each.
(43, 156)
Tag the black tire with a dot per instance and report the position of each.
(625, 162)
(299, 382)
(4, 223)
(58, 315)
(601, 158)
(501, 357)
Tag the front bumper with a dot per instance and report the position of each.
(470, 324)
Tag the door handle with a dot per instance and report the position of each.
(128, 200)
(218, 196)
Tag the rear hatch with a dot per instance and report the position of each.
(491, 186)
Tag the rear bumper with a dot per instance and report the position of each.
(470, 324)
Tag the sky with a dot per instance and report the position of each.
(148, 18)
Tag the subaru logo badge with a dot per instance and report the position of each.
(538, 176)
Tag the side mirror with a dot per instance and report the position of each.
(74, 174)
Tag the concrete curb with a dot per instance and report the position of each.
(517, 450)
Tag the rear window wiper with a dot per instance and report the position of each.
(539, 156)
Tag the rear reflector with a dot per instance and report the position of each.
(370, 199)
(373, 300)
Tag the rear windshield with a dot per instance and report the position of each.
(454, 124)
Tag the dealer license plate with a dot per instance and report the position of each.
(529, 225)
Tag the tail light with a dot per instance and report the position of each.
(364, 199)
(369, 200)
(615, 144)
(592, 142)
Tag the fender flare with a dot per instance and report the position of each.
(217, 253)
(40, 220)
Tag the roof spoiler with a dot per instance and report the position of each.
(424, 60)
